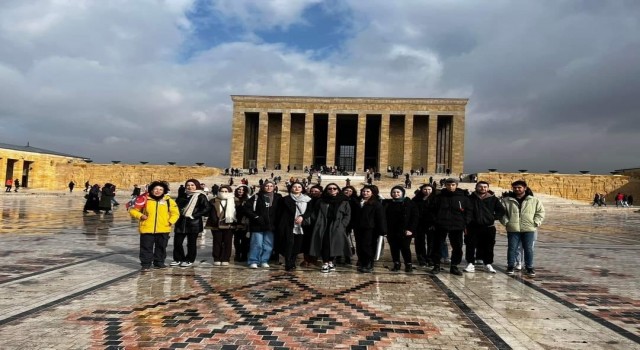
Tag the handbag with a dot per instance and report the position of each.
(379, 247)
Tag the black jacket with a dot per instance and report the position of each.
(370, 217)
(401, 216)
(195, 225)
(485, 211)
(426, 220)
(451, 211)
(262, 216)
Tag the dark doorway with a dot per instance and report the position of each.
(251, 139)
(25, 173)
(372, 142)
(320, 127)
(10, 164)
(346, 139)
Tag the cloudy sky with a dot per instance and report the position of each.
(552, 84)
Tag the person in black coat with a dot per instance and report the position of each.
(481, 232)
(261, 210)
(425, 235)
(402, 222)
(369, 223)
(292, 225)
(193, 205)
(452, 212)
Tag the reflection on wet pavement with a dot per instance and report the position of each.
(74, 277)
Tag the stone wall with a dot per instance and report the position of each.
(126, 175)
(569, 186)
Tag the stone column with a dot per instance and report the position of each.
(237, 139)
(362, 127)
(457, 143)
(383, 156)
(407, 162)
(285, 139)
(432, 143)
(263, 131)
(18, 167)
(307, 156)
(331, 139)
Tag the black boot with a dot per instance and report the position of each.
(396, 266)
(368, 268)
(455, 271)
(436, 269)
(408, 267)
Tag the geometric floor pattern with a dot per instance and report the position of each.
(280, 312)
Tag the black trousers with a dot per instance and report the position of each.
(455, 237)
(153, 248)
(431, 244)
(221, 249)
(365, 247)
(399, 243)
(241, 244)
(480, 242)
(192, 247)
(292, 248)
(421, 246)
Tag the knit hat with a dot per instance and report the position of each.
(398, 188)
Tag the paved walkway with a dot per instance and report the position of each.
(71, 281)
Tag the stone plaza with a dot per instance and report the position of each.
(71, 281)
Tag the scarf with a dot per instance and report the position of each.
(301, 206)
(188, 211)
(228, 206)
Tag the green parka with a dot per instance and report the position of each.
(522, 218)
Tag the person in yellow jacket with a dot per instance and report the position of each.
(157, 213)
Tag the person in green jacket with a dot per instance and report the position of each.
(524, 214)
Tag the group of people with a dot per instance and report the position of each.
(318, 223)
(100, 198)
(10, 183)
(621, 199)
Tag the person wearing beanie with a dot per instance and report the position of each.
(222, 221)
(452, 212)
(261, 210)
(193, 205)
(369, 223)
(402, 222)
(157, 213)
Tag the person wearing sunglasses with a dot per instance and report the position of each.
(331, 216)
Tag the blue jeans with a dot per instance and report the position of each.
(260, 247)
(515, 239)
(520, 251)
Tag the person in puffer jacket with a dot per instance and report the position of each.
(481, 232)
(157, 214)
(194, 206)
(452, 212)
(524, 214)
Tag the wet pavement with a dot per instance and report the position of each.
(70, 280)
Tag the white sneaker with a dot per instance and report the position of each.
(518, 267)
(216, 263)
(253, 266)
(175, 263)
(186, 264)
(470, 268)
(489, 268)
(265, 265)
(224, 263)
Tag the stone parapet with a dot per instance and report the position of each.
(569, 186)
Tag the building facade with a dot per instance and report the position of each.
(350, 132)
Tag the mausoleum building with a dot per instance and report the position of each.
(355, 133)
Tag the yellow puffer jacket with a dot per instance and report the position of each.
(161, 215)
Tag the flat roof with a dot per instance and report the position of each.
(328, 99)
(31, 149)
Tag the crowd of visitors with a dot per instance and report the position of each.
(320, 224)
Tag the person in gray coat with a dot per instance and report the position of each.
(330, 217)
